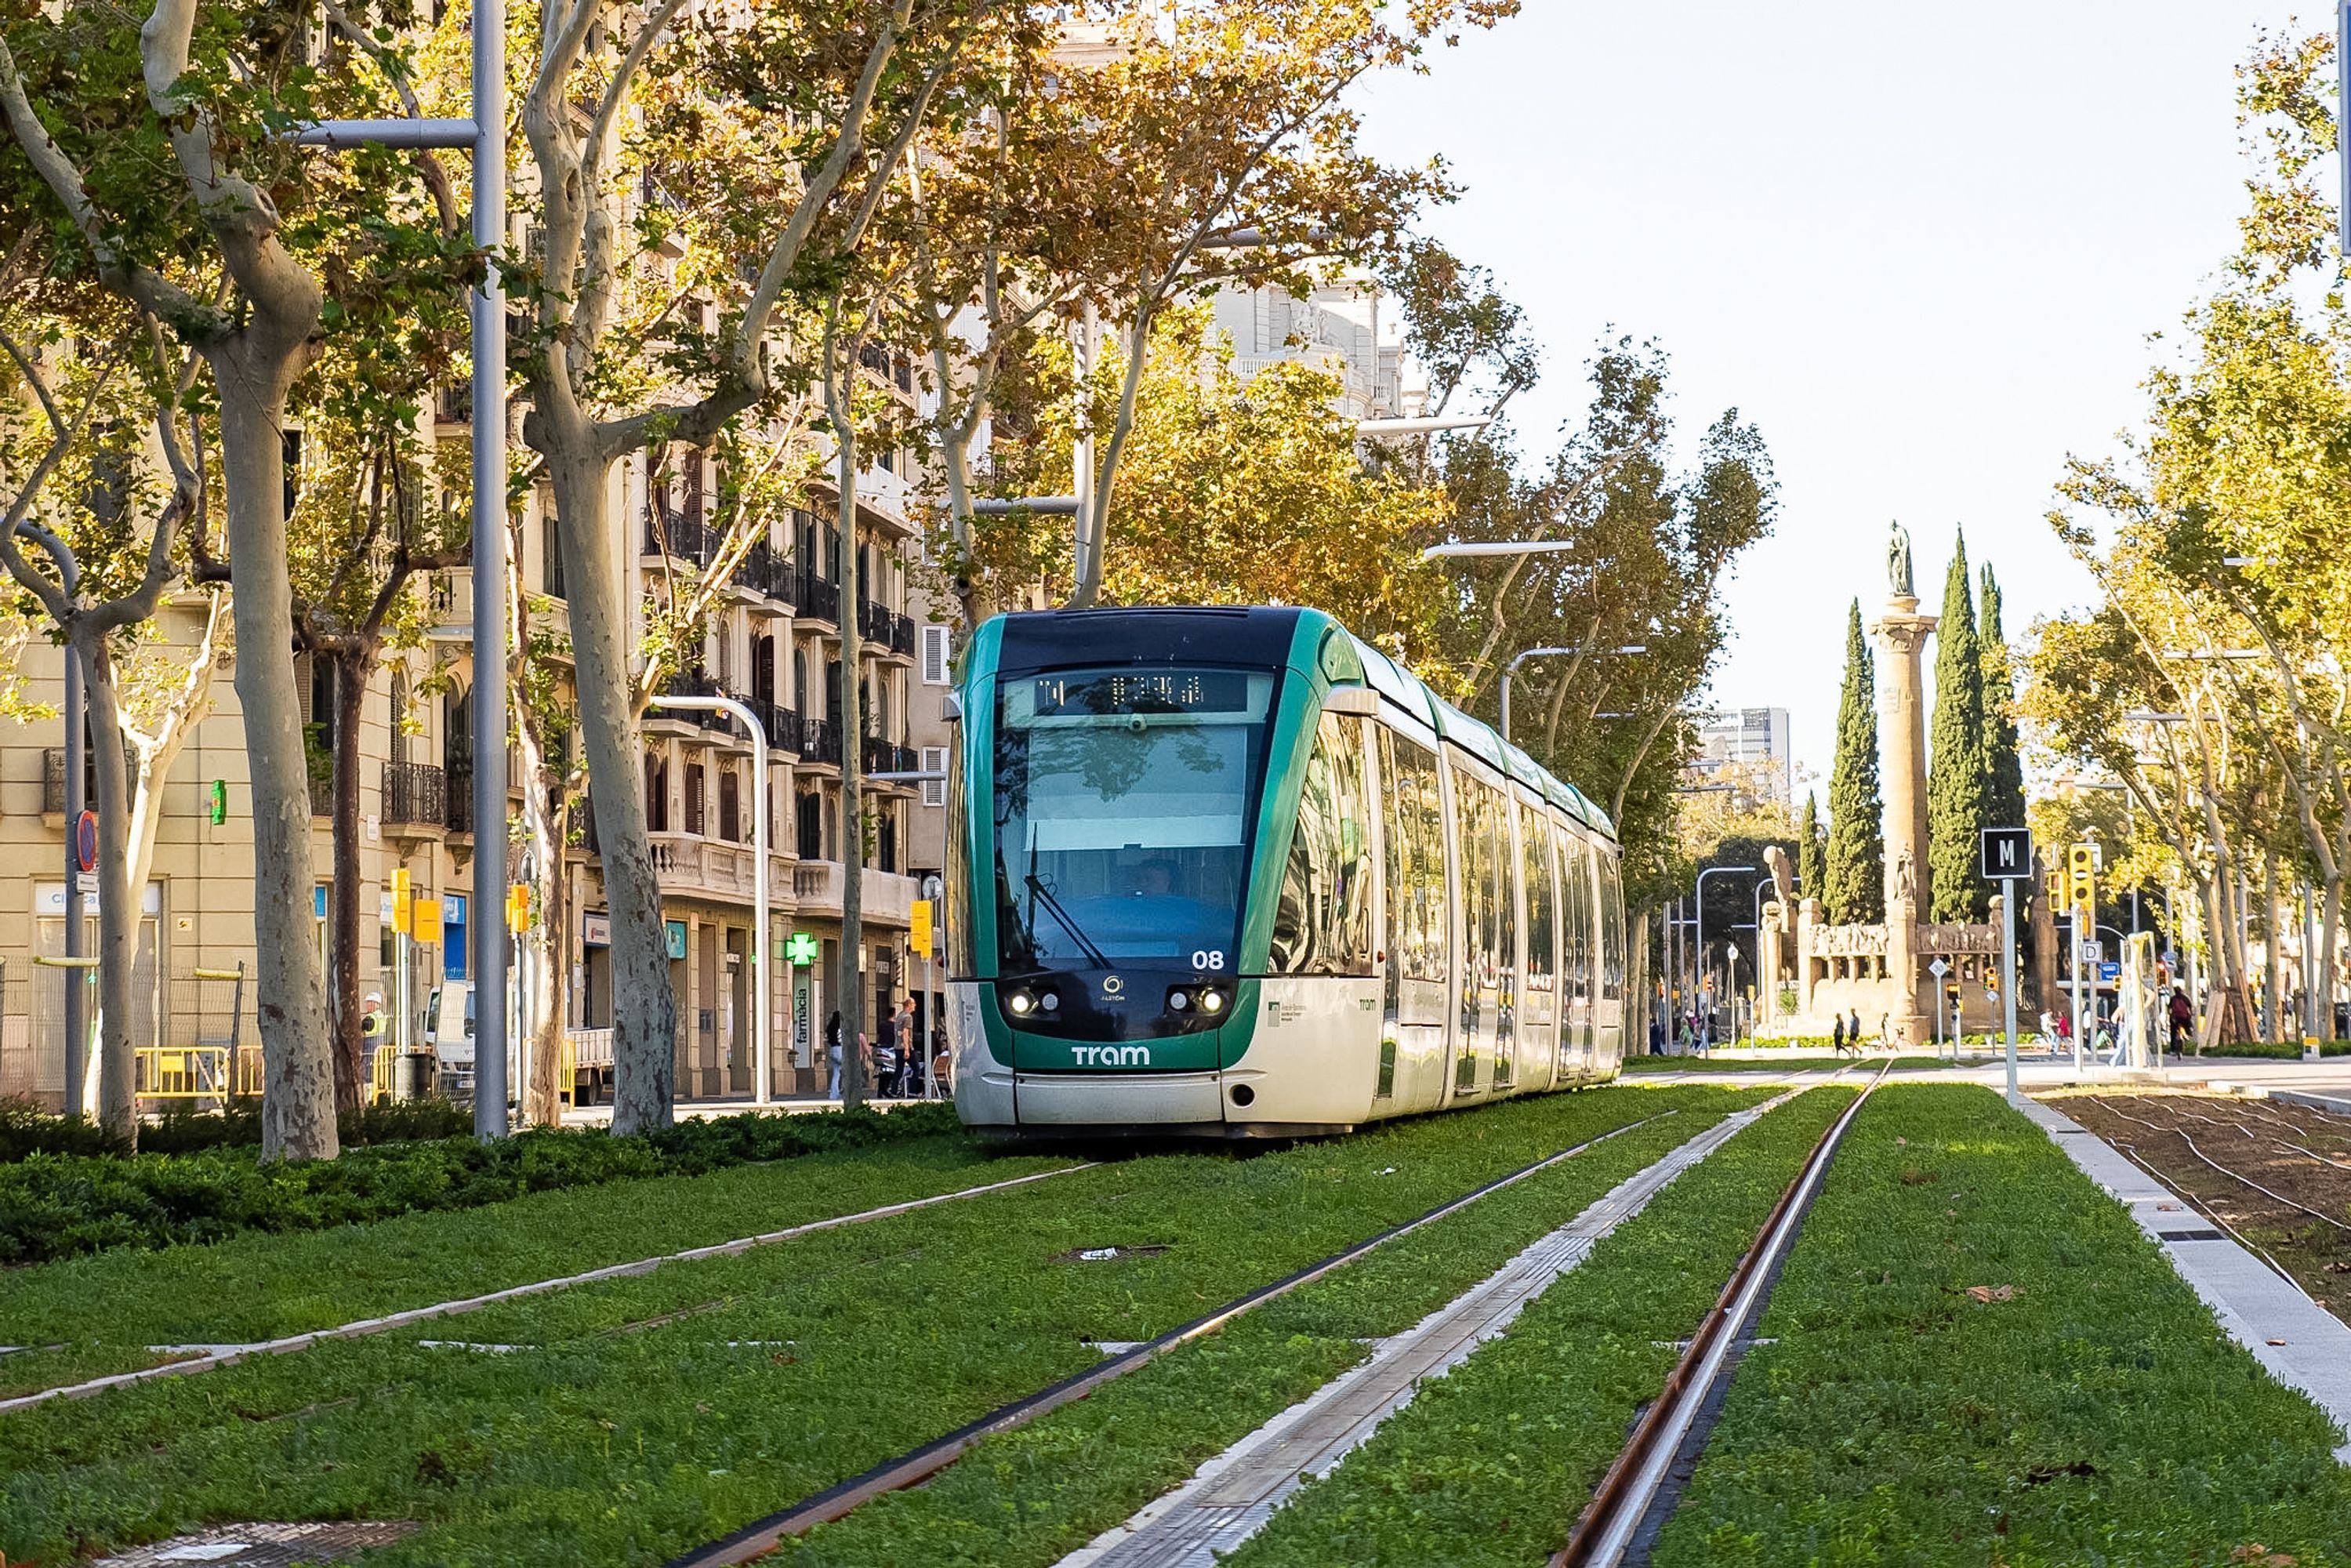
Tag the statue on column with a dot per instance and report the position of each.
(1897, 562)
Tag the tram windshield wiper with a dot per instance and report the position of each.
(1038, 890)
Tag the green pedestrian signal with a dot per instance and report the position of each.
(800, 948)
(220, 802)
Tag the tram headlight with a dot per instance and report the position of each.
(1022, 1003)
(1212, 999)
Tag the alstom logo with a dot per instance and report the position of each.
(1111, 1055)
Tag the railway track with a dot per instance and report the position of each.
(918, 1465)
(1639, 1491)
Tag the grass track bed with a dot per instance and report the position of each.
(1028, 1498)
(2099, 1416)
(1491, 1463)
(256, 1286)
(657, 1412)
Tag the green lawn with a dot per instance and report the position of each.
(97, 1314)
(643, 1416)
(1491, 1464)
(2098, 1416)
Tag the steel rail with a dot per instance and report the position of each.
(1608, 1525)
(2181, 1134)
(363, 1327)
(762, 1536)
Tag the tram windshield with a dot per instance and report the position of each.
(1124, 803)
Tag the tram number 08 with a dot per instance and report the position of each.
(1209, 960)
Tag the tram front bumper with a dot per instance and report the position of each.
(1114, 1099)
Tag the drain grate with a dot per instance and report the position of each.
(266, 1545)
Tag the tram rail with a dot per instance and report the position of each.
(918, 1465)
(1643, 1479)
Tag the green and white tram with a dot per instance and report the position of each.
(1232, 872)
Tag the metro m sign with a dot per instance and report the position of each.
(2007, 852)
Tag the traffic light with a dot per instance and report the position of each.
(2059, 901)
(2082, 874)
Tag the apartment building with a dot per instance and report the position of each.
(773, 641)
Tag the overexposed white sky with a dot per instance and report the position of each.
(1920, 247)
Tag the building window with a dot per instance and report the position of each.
(730, 806)
(694, 800)
(937, 654)
(550, 557)
(656, 792)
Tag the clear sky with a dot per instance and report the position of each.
(1921, 247)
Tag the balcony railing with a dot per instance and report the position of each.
(820, 741)
(763, 571)
(815, 597)
(781, 724)
(695, 684)
(415, 793)
(682, 537)
(881, 756)
(53, 778)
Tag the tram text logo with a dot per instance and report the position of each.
(1111, 1055)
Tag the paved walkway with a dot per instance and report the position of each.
(2301, 1343)
(1232, 1495)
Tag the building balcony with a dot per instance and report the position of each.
(764, 581)
(782, 725)
(884, 627)
(821, 742)
(688, 865)
(415, 799)
(458, 801)
(679, 537)
(882, 756)
(814, 598)
(885, 898)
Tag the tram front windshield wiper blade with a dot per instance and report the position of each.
(1039, 890)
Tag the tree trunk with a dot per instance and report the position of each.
(851, 988)
(2322, 969)
(2273, 997)
(297, 1102)
(343, 897)
(118, 900)
(645, 1011)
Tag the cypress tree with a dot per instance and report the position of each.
(1959, 768)
(2004, 801)
(1853, 882)
(1812, 851)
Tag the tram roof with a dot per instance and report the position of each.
(1270, 634)
(1408, 692)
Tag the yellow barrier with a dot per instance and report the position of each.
(567, 1069)
(196, 1073)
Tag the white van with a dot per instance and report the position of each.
(449, 1034)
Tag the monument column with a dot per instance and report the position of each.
(1900, 634)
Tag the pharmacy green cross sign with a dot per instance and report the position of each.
(800, 948)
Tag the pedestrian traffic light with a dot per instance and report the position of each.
(220, 802)
(2060, 901)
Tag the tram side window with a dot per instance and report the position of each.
(961, 954)
(1418, 938)
(1543, 928)
(1575, 873)
(1323, 925)
(1612, 941)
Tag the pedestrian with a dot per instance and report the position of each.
(886, 1085)
(1836, 1036)
(2183, 1013)
(865, 1058)
(1852, 1030)
(1657, 1035)
(832, 1053)
(910, 1048)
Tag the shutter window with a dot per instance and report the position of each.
(935, 655)
(934, 761)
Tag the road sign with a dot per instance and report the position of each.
(918, 934)
(86, 842)
(425, 919)
(2007, 852)
(2093, 951)
(1939, 969)
(2110, 972)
